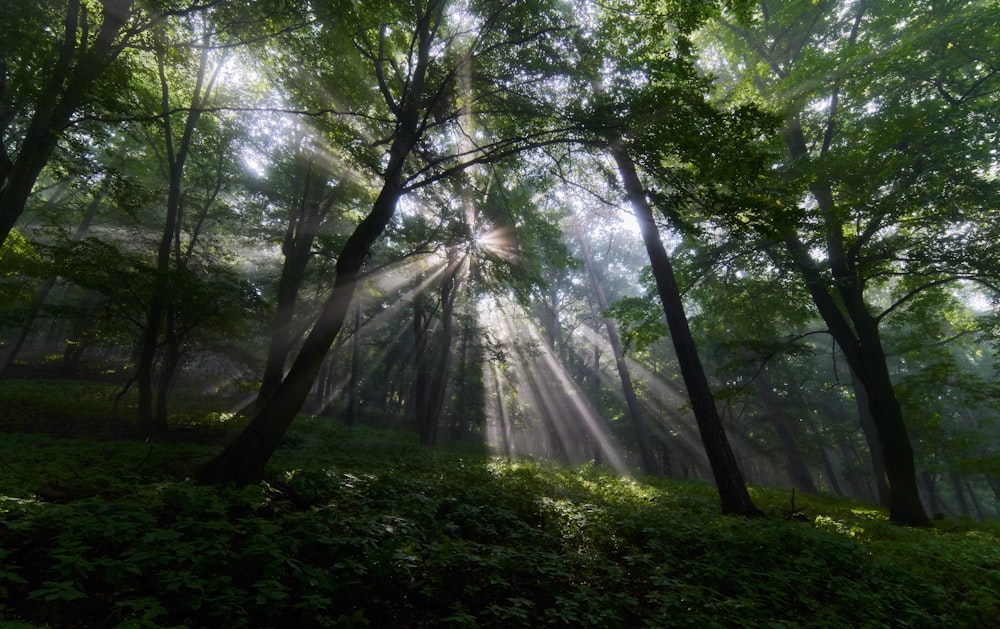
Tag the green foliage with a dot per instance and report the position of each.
(362, 527)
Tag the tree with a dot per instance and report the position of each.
(728, 476)
(627, 108)
(881, 169)
(177, 147)
(419, 58)
(48, 76)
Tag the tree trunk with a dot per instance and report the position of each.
(66, 90)
(439, 384)
(244, 459)
(831, 473)
(930, 485)
(303, 226)
(420, 332)
(856, 332)
(728, 478)
(870, 432)
(959, 490)
(159, 306)
(649, 464)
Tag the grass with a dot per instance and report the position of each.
(364, 527)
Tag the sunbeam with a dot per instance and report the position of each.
(569, 425)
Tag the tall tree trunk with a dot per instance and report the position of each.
(856, 332)
(649, 464)
(861, 343)
(930, 485)
(504, 430)
(728, 478)
(159, 305)
(420, 333)
(303, 226)
(831, 473)
(244, 459)
(870, 432)
(959, 490)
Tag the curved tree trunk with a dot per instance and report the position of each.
(728, 478)
(856, 332)
(244, 459)
(303, 227)
(873, 439)
(861, 344)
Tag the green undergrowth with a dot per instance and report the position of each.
(363, 527)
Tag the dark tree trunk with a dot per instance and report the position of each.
(160, 304)
(872, 437)
(439, 384)
(303, 227)
(728, 478)
(930, 486)
(980, 514)
(244, 459)
(959, 490)
(856, 332)
(504, 430)
(66, 91)
(420, 332)
(831, 473)
(649, 464)
(170, 362)
(861, 344)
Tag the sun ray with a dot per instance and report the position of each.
(553, 397)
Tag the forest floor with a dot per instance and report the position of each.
(363, 527)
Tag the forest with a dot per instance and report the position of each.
(499, 313)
